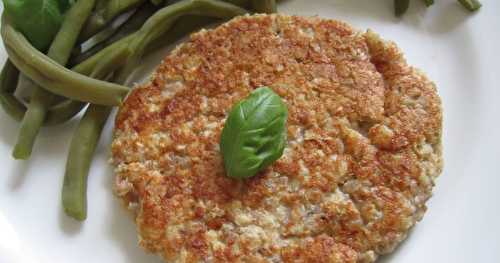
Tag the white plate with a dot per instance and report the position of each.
(455, 48)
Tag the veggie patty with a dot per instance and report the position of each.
(363, 151)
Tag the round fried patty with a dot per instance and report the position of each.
(364, 146)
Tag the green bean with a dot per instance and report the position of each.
(53, 76)
(401, 6)
(103, 16)
(101, 4)
(63, 111)
(95, 23)
(65, 40)
(86, 67)
(59, 113)
(428, 2)
(12, 106)
(32, 121)
(471, 5)
(133, 24)
(162, 21)
(81, 151)
(116, 7)
(69, 108)
(82, 148)
(41, 99)
(83, 145)
(264, 6)
(8, 83)
(10, 75)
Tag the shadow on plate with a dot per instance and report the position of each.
(18, 174)
(451, 16)
(69, 225)
(9, 129)
(44, 148)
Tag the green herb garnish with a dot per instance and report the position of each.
(254, 135)
(38, 20)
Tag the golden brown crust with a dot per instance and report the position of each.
(364, 133)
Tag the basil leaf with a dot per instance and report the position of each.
(254, 135)
(38, 20)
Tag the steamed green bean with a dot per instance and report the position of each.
(101, 4)
(53, 76)
(81, 151)
(82, 148)
(106, 13)
(41, 99)
(401, 6)
(428, 2)
(471, 5)
(8, 83)
(57, 114)
(133, 24)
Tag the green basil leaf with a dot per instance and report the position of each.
(38, 20)
(254, 135)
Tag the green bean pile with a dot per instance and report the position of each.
(401, 6)
(67, 78)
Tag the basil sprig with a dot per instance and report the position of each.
(38, 20)
(254, 135)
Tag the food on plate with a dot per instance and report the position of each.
(471, 5)
(401, 6)
(363, 146)
(99, 75)
(41, 99)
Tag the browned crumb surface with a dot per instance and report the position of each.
(364, 146)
